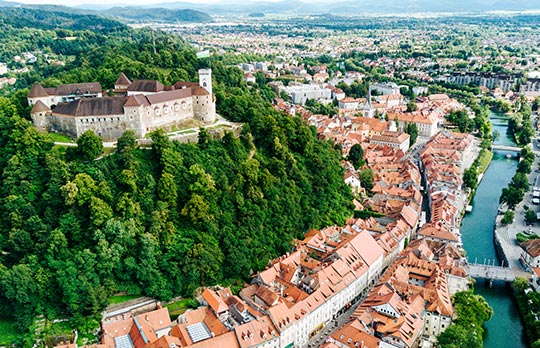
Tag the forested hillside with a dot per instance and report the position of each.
(51, 18)
(158, 14)
(160, 221)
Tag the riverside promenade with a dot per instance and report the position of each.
(505, 236)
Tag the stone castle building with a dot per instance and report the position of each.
(142, 106)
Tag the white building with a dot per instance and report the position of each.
(300, 94)
(385, 88)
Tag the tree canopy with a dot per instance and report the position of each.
(162, 221)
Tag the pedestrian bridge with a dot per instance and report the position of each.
(490, 272)
(506, 148)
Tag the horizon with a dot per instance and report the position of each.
(135, 2)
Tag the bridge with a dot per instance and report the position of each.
(506, 148)
(490, 272)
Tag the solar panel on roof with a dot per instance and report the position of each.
(198, 332)
(123, 342)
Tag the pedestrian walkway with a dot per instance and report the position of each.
(490, 272)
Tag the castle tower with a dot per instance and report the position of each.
(205, 79)
(121, 85)
(40, 115)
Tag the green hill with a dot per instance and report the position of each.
(158, 14)
(54, 17)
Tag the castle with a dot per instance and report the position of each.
(142, 106)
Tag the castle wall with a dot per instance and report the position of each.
(64, 124)
(166, 115)
(109, 127)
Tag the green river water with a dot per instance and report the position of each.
(505, 329)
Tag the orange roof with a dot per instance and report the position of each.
(437, 231)
(165, 342)
(354, 332)
(149, 323)
(113, 329)
(367, 247)
(256, 332)
(214, 301)
(227, 340)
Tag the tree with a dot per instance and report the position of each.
(470, 177)
(457, 336)
(512, 196)
(89, 145)
(412, 130)
(530, 217)
(411, 106)
(356, 154)
(126, 142)
(508, 217)
(366, 179)
(520, 284)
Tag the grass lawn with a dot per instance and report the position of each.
(122, 298)
(61, 138)
(179, 307)
(8, 332)
(484, 158)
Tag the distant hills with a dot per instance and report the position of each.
(201, 12)
(127, 13)
(158, 14)
(360, 7)
(54, 17)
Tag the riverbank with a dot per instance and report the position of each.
(505, 328)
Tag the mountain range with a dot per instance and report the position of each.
(201, 12)
(353, 7)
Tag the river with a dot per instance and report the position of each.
(505, 329)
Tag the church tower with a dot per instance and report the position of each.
(205, 79)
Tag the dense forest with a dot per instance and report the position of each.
(158, 14)
(158, 221)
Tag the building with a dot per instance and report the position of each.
(420, 90)
(485, 79)
(530, 255)
(350, 103)
(299, 94)
(397, 140)
(3, 68)
(385, 88)
(426, 122)
(63, 93)
(142, 106)
(437, 232)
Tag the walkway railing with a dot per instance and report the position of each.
(506, 148)
(490, 272)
